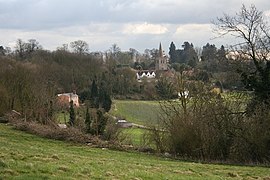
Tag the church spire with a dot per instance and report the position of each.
(160, 51)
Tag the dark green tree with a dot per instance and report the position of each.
(94, 95)
(209, 57)
(72, 115)
(165, 88)
(187, 55)
(107, 103)
(102, 121)
(88, 121)
(209, 52)
(223, 62)
(172, 53)
(104, 99)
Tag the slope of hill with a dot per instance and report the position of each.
(25, 156)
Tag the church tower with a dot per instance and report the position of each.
(161, 60)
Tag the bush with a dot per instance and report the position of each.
(112, 131)
(207, 126)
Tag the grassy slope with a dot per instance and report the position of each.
(141, 112)
(25, 156)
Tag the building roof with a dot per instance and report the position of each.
(140, 73)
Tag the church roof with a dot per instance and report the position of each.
(160, 50)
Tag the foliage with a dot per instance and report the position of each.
(101, 122)
(94, 95)
(187, 55)
(88, 121)
(104, 98)
(204, 125)
(172, 53)
(165, 89)
(72, 115)
(112, 132)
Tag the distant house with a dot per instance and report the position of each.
(65, 98)
(145, 74)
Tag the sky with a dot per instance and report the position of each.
(138, 24)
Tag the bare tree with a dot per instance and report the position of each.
(2, 51)
(24, 49)
(20, 48)
(64, 47)
(32, 45)
(115, 50)
(250, 27)
(79, 46)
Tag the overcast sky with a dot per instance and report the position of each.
(138, 24)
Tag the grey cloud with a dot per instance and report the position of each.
(104, 22)
(42, 14)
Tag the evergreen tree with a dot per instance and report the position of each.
(189, 55)
(209, 52)
(72, 115)
(104, 99)
(165, 88)
(107, 103)
(94, 94)
(223, 63)
(172, 53)
(209, 57)
(88, 121)
(102, 121)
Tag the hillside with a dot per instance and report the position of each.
(25, 156)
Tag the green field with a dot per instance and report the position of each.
(62, 117)
(25, 156)
(140, 112)
(133, 136)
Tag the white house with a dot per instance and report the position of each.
(145, 74)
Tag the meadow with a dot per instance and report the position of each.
(26, 156)
(140, 112)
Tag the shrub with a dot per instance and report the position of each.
(207, 126)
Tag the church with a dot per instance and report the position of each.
(161, 60)
(161, 64)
